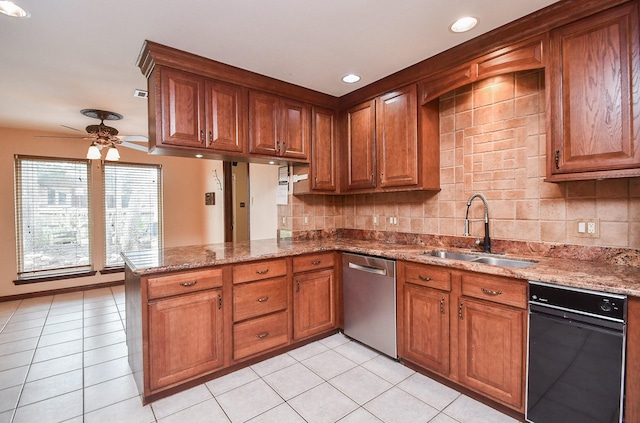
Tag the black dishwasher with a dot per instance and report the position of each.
(576, 355)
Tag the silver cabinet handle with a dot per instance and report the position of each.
(460, 311)
(442, 305)
(219, 301)
(188, 284)
(298, 283)
(262, 335)
(262, 272)
(425, 278)
(262, 299)
(316, 262)
(490, 292)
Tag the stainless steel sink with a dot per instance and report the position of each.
(493, 261)
(454, 256)
(504, 262)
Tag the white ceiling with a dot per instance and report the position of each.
(76, 54)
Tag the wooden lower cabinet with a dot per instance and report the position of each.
(313, 303)
(261, 334)
(426, 327)
(490, 349)
(467, 327)
(185, 337)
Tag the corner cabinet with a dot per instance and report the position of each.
(385, 151)
(467, 327)
(314, 294)
(278, 126)
(194, 111)
(593, 82)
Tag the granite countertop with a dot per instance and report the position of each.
(613, 278)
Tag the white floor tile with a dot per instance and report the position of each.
(61, 318)
(293, 380)
(280, 414)
(19, 335)
(430, 391)
(49, 387)
(207, 411)
(56, 409)
(9, 398)
(109, 392)
(307, 351)
(106, 371)
(108, 353)
(388, 369)
(13, 377)
(26, 324)
(62, 327)
(356, 352)
(360, 384)
(54, 367)
(329, 364)
(99, 341)
(60, 337)
(28, 344)
(468, 410)
(323, 404)
(443, 418)
(180, 401)
(248, 401)
(103, 328)
(397, 406)
(130, 411)
(19, 359)
(334, 341)
(101, 319)
(231, 381)
(273, 364)
(360, 416)
(67, 309)
(6, 417)
(29, 316)
(58, 350)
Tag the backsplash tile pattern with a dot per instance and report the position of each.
(492, 140)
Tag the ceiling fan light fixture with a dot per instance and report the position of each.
(94, 152)
(112, 154)
(13, 10)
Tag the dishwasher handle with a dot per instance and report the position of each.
(374, 270)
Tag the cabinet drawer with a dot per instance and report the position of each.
(182, 283)
(258, 298)
(433, 277)
(511, 292)
(261, 334)
(259, 270)
(313, 262)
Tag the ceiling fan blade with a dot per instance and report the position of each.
(73, 129)
(133, 146)
(62, 136)
(133, 138)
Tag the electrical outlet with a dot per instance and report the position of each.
(375, 219)
(306, 220)
(587, 228)
(393, 220)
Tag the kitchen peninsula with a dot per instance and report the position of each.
(198, 312)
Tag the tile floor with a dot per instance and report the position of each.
(63, 358)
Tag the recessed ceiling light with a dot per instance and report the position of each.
(351, 78)
(464, 24)
(9, 8)
(199, 156)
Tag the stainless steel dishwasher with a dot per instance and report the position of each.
(369, 298)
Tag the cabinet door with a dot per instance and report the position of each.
(185, 337)
(397, 138)
(491, 345)
(313, 303)
(225, 116)
(361, 148)
(263, 123)
(594, 89)
(295, 132)
(182, 100)
(323, 149)
(426, 327)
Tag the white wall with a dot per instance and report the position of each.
(263, 182)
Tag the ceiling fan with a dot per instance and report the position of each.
(104, 136)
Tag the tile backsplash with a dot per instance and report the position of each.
(492, 140)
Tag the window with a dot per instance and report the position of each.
(133, 209)
(53, 211)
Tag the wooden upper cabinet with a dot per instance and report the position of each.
(182, 99)
(397, 138)
(361, 137)
(278, 126)
(225, 116)
(593, 83)
(323, 149)
(199, 112)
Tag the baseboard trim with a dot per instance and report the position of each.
(59, 291)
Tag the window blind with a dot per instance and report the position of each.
(53, 211)
(133, 209)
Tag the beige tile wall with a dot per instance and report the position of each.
(492, 140)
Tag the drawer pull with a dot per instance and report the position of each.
(262, 299)
(262, 272)
(460, 311)
(425, 278)
(490, 292)
(298, 284)
(316, 262)
(188, 284)
(262, 335)
(219, 302)
(442, 305)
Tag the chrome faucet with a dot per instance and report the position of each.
(487, 240)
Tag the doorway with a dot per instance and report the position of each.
(236, 201)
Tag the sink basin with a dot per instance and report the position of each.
(454, 256)
(496, 261)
